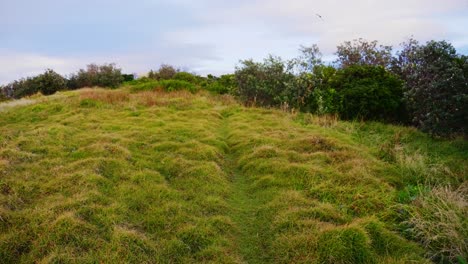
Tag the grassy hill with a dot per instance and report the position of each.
(109, 176)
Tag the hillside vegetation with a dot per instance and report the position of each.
(110, 176)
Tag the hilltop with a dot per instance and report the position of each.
(110, 176)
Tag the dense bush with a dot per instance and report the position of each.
(223, 84)
(311, 91)
(50, 82)
(128, 77)
(186, 76)
(369, 92)
(363, 52)
(20, 88)
(165, 72)
(436, 86)
(47, 83)
(106, 75)
(263, 83)
(147, 84)
(176, 85)
(143, 84)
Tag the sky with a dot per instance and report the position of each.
(206, 36)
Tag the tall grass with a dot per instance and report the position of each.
(439, 220)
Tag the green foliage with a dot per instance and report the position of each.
(311, 92)
(50, 82)
(186, 76)
(263, 83)
(354, 91)
(363, 52)
(176, 85)
(165, 72)
(143, 84)
(147, 84)
(47, 83)
(369, 92)
(128, 77)
(106, 75)
(224, 84)
(436, 91)
(21, 88)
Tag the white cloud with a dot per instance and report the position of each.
(195, 57)
(219, 33)
(389, 22)
(15, 65)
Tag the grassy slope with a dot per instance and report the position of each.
(110, 176)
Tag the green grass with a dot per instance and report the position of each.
(155, 177)
(166, 85)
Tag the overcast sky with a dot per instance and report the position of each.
(206, 36)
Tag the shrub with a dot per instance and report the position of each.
(176, 85)
(147, 84)
(128, 77)
(311, 91)
(216, 87)
(435, 89)
(221, 85)
(369, 92)
(21, 88)
(143, 84)
(165, 72)
(106, 75)
(263, 83)
(363, 52)
(186, 76)
(50, 82)
(47, 83)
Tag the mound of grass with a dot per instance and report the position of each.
(177, 85)
(170, 85)
(143, 85)
(162, 177)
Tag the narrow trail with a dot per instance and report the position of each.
(244, 209)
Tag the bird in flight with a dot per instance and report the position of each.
(319, 16)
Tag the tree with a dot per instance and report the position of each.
(22, 87)
(309, 58)
(363, 52)
(166, 72)
(50, 82)
(436, 86)
(109, 76)
(263, 83)
(106, 75)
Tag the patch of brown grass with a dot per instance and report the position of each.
(159, 97)
(328, 120)
(105, 96)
